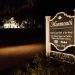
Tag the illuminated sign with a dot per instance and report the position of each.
(62, 31)
(59, 32)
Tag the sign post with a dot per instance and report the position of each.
(48, 47)
(74, 25)
(60, 32)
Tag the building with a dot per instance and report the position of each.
(11, 23)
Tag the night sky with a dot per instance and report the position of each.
(35, 7)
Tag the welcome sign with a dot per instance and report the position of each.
(60, 32)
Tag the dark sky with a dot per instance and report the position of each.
(51, 7)
(39, 7)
